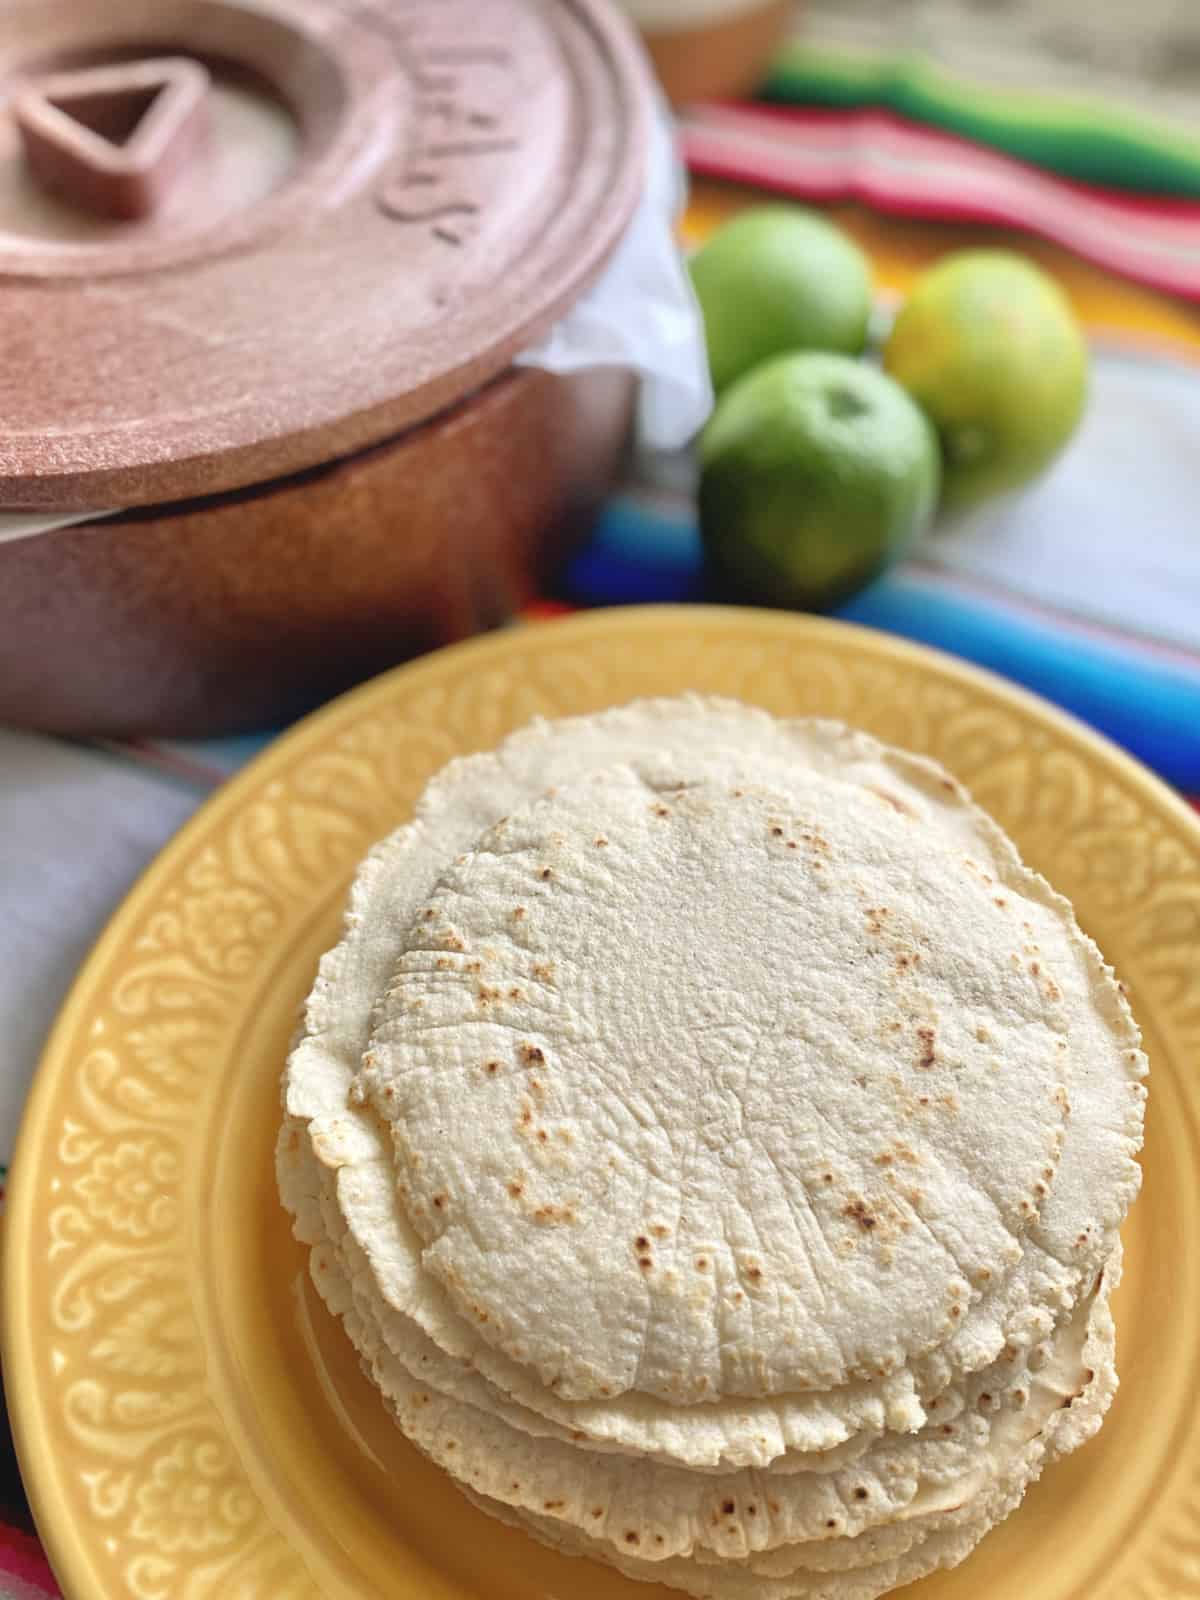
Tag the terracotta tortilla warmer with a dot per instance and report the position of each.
(264, 269)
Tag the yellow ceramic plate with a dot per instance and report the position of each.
(191, 1423)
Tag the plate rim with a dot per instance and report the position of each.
(65, 1550)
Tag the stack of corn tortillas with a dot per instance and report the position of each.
(715, 1142)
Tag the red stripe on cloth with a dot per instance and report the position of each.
(545, 610)
(876, 126)
(21, 1558)
(898, 167)
(145, 753)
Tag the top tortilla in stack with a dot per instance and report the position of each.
(781, 1130)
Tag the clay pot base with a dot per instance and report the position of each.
(243, 611)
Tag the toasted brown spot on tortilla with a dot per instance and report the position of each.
(858, 1211)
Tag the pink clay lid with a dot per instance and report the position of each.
(239, 238)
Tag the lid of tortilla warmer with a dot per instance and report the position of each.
(239, 238)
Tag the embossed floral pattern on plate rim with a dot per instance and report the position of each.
(134, 1474)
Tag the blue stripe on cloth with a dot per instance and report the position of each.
(638, 553)
(1147, 703)
(1143, 700)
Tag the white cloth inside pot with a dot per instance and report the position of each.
(642, 313)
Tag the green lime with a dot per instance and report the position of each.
(987, 344)
(778, 278)
(816, 471)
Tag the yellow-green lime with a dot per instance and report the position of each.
(816, 472)
(779, 278)
(988, 345)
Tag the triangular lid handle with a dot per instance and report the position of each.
(111, 140)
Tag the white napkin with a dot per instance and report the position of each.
(642, 314)
(24, 524)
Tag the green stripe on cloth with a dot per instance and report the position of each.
(1088, 140)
